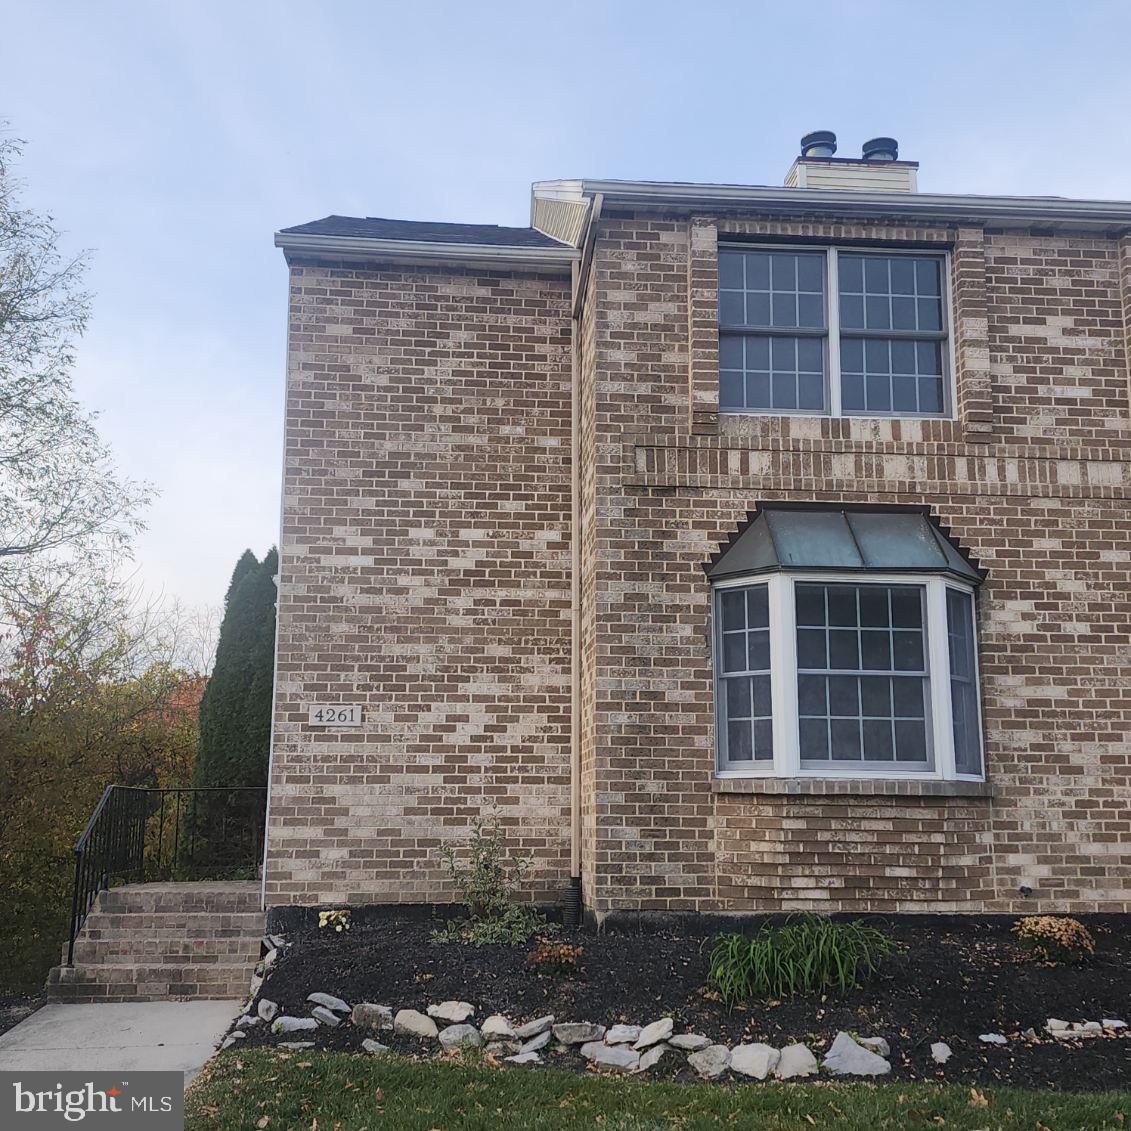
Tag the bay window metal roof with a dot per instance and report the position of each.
(844, 539)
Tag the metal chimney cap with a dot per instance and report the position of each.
(881, 149)
(819, 143)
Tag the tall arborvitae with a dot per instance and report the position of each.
(235, 724)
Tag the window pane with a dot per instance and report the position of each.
(891, 375)
(745, 730)
(879, 717)
(771, 288)
(771, 373)
(963, 685)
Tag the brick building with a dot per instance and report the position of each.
(747, 548)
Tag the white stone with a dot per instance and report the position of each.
(503, 1048)
(1108, 1023)
(539, 1041)
(622, 1034)
(296, 1046)
(941, 1052)
(650, 1058)
(249, 1021)
(497, 1027)
(847, 1058)
(325, 1016)
(292, 1024)
(711, 1061)
(795, 1060)
(368, 1016)
(688, 1042)
(413, 1023)
(256, 986)
(620, 1058)
(1055, 1025)
(328, 1001)
(268, 1010)
(755, 1060)
(993, 1039)
(578, 1032)
(270, 958)
(374, 1048)
(1093, 1027)
(460, 1037)
(453, 1012)
(655, 1033)
(524, 1058)
(533, 1028)
(877, 1044)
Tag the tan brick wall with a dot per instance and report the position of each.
(425, 574)
(1032, 477)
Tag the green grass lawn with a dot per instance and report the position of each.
(268, 1091)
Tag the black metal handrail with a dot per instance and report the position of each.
(135, 835)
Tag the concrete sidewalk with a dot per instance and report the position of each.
(148, 1036)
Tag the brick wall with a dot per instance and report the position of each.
(425, 574)
(1032, 477)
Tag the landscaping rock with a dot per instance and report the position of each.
(993, 1039)
(655, 1033)
(650, 1058)
(622, 1035)
(524, 1058)
(453, 1012)
(1029, 1035)
(795, 1060)
(578, 1032)
(1055, 1025)
(1108, 1023)
(533, 1028)
(270, 958)
(296, 1046)
(1093, 1027)
(249, 1021)
(539, 1041)
(503, 1048)
(460, 1037)
(293, 1024)
(325, 1016)
(374, 1048)
(619, 1058)
(412, 1023)
(268, 1010)
(328, 1001)
(227, 1042)
(497, 1026)
(256, 986)
(877, 1044)
(941, 1052)
(755, 1060)
(687, 1042)
(847, 1058)
(711, 1061)
(368, 1016)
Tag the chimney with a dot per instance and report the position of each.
(877, 169)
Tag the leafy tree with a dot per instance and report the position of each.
(63, 505)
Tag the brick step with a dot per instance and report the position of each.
(170, 924)
(180, 898)
(144, 982)
(168, 951)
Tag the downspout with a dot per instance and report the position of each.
(580, 274)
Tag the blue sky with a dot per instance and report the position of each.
(173, 138)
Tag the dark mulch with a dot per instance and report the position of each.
(14, 1009)
(951, 981)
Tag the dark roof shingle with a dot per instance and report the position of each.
(378, 228)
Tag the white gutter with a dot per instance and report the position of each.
(1007, 210)
(413, 251)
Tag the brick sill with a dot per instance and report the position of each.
(852, 787)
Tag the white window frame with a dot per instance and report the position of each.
(784, 676)
(833, 331)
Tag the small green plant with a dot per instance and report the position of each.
(1054, 939)
(806, 954)
(550, 957)
(489, 883)
(334, 920)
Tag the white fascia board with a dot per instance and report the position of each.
(1004, 210)
(417, 251)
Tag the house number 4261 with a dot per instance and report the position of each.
(334, 714)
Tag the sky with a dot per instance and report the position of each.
(173, 137)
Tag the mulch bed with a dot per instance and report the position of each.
(15, 1008)
(952, 980)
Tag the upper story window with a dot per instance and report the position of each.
(845, 646)
(833, 331)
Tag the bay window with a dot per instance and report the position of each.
(845, 646)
